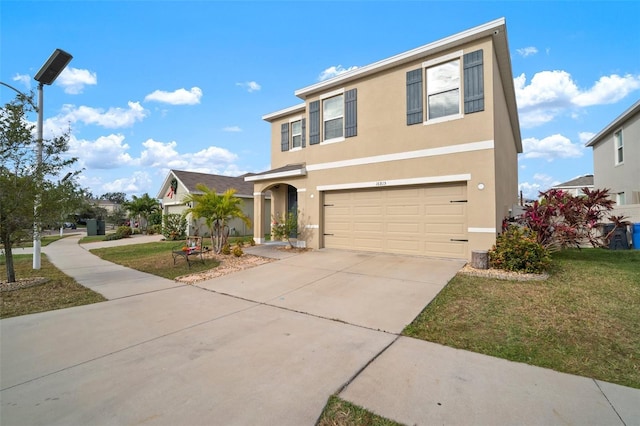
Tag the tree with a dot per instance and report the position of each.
(142, 208)
(115, 197)
(217, 210)
(23, 179)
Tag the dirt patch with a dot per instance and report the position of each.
(502, 275)
(228, 264)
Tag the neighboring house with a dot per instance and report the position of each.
(107, 205)
(616, 161)
(574, 186)
(414, 154)
(179, 183)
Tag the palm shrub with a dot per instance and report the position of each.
(217, 210)
(285, 227)
(517, 249)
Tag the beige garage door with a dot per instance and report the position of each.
(427, 220)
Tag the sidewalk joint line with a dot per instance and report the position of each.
(609, 401)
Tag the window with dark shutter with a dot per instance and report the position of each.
(304, 132)
(414, 97)
(351, 113)
(473, 82)
(284, 136)
(314, 122)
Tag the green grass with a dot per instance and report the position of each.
(154, 258)
(339, 412)
(583, 320)
(61, 291)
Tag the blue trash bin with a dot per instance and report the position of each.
(635, 237)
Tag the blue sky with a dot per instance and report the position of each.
(156, 85)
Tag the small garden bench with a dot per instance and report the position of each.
(192, 248)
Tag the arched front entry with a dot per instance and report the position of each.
(284, 199)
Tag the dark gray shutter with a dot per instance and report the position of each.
(351, 113)
(414, 97)
(284, 136)
(314, 122)
(473, 82)
(304, 132)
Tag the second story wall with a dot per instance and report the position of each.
(379, 105)
(616, 161)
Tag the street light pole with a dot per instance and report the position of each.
(47, 75)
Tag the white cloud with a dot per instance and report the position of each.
(106, 152)
(164, 155)
(585, 136)
(113, 118)
(334, 71)
(177, 97)
(251, 86)
(73, 80)
(551, 93)
(232, 129)
(550, 148)
(541, 182)
(608, 90)
(527, 51)
(23, 79)
(139, 182)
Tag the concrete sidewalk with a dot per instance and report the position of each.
(268, 345)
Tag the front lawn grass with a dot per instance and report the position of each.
(583, 320)
(154, 258)
(60, 291)
(339, 412)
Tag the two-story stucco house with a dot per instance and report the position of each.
(414, 154)
(616, 161)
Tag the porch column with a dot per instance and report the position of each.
(258, 217)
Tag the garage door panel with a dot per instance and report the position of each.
(419, 220)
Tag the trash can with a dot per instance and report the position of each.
(618, 239)
(92, 227)
(635, 239)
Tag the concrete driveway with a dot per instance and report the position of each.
(266, 345)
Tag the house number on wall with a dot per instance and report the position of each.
(381, 183)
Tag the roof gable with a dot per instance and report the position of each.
(621, 119)
(190, 180)
(579, 182)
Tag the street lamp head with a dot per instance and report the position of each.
(53, 67)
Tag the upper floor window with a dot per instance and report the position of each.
(452, 81)
(296, 134)
(333, 117)
(620, 199)
(619, 146)
(292, 134)
(443, 90)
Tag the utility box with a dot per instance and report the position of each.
(92, 227)
(100, 227)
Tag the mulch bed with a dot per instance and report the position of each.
(22, 283)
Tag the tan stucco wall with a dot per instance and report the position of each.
(382, 131)
(506, 155)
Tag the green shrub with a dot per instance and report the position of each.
(518, 250)
(123, 231)
(252, 242)
(154, 229)
(114, 236)
(226, 249)
(237, 250)
(173, 227)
